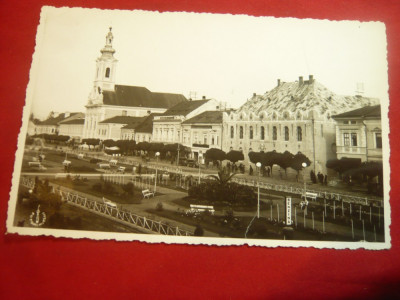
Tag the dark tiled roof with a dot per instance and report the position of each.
(137, 96)
(207, 117)
(147, 125)
(122, 120)
(56, 120)
(366, 112)
(184, 108)
(74, 122)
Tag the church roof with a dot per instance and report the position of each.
(304, 96)
(207, 117)
(367, 112)
(122, 120)
(137, 96)
(184, 108)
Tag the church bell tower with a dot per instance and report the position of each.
(105, 71)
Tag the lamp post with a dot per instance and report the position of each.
(258, 165)
(200, 156)
(304, 165)
(155, 179)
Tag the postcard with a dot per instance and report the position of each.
(195, 128)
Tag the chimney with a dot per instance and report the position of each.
(300, 80)
(254, 94)
(279, 82)
(204, 97)
(311, 78)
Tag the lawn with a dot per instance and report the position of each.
(67, 217)
(112, 192)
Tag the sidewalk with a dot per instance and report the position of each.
(134, 160)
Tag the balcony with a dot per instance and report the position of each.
(351, 150)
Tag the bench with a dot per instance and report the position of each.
(104, 166)
(34, 164)
(66, 163)
(121, 169)
(109, 203)
(80, 156)
(312, 196)
(113, 162)
(147, 194)
(196, 209)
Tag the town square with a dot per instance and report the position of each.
(297, 161)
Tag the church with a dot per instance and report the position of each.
(108, 99)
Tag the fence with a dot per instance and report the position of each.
(270, 186)
(112, 212)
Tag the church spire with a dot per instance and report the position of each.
(106, 66)
(108, 50)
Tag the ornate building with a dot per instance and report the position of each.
(107, 99)
(294, 116)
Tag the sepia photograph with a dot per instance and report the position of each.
(196, 128)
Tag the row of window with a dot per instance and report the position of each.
(350, 139)
(299, 133)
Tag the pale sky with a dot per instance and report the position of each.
(224, 57)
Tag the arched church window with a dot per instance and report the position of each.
(262, 133)
(274, 133)
(241, 132)
(251, 132)
(232, 132)
(99, 89)
(108, 73)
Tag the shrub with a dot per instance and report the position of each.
(159, 206)
(97, 187)
(198, 231)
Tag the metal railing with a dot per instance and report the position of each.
(112, 212)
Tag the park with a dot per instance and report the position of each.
(153, 188)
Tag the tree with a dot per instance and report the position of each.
(256, 157)
(298, 160)
(234, 156)
(109, 143)
(223, 177)
(215, 155)
(285, 160)
(343, 164)
(128, 189)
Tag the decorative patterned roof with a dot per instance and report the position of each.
(303, 96)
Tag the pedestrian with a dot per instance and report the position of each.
(326, 179)
(250, 171)
(320, 177)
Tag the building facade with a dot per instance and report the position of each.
(167, 128)
(52, 124)
(359, 134)
(203, 132)
(294, 117)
